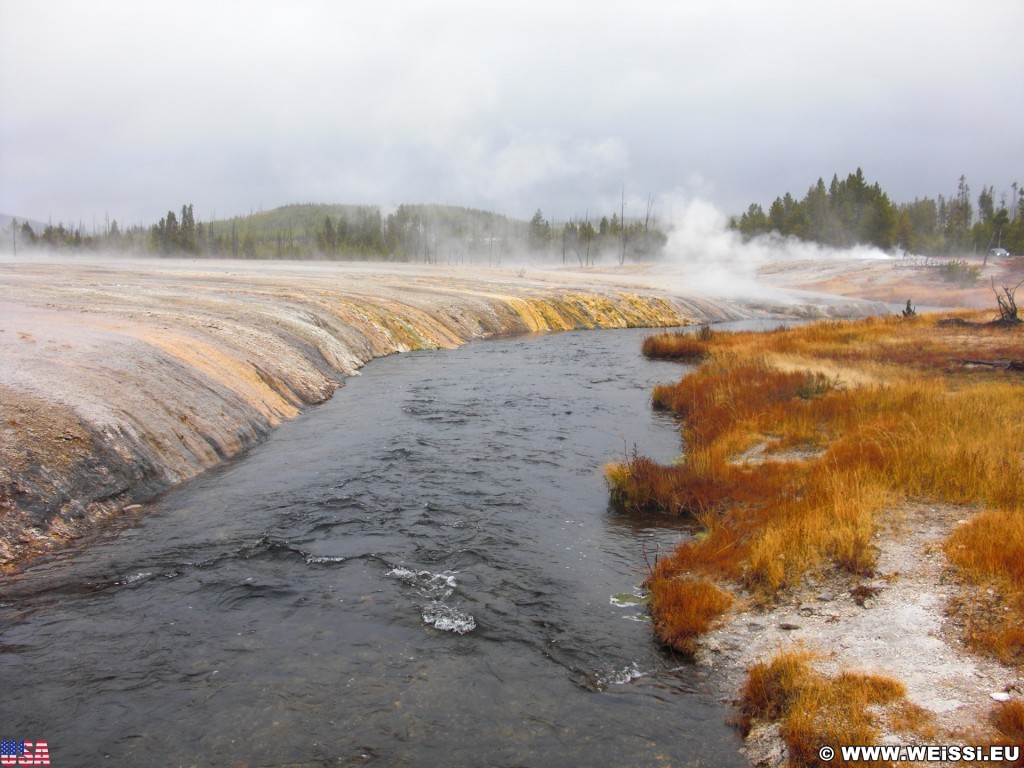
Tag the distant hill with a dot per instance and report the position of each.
(429, 233)
(309, 217)
(6, 218)
(405, 232)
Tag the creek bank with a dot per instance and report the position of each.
(895, 625)
(123, 378)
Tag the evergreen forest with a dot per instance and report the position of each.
(851, 212)
(844, 213)
(424, 233)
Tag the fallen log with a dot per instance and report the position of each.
(1007, 365)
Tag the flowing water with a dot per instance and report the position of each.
(423, 571)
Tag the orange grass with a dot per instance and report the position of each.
(686, 609)
(814, 710)
(989, 550)
(917, 424)
(682, 346)
(1008, 719)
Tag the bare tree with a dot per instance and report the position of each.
(1007, 302)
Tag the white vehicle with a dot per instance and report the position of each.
(998, 253)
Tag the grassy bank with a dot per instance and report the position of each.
(799, 441)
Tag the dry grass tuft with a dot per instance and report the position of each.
(891, 413)
(681, 345)
(686, 609)
(1008, 719)
(989, 550)
(814, 710)
(773, 687)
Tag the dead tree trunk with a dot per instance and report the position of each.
(1007, 302)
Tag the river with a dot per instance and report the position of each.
(423, 571)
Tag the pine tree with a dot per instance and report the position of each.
(170, 240)
(540, 231)
(187, 240)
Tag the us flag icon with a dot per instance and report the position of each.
(24, 753)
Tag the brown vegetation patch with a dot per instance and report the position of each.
(902, 632)
(1008, 720)
(911, 422)
(815, 710)
(683, 346)
(686, 609)
(988, 551)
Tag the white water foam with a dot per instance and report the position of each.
(434, 585)
(448, 619)
(322, 559)
(136, 577)
(625, 675)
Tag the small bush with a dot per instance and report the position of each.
(960, 273)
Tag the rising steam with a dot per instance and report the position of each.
(715, 260)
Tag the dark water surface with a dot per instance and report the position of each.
(424, 571)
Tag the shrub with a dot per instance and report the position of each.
(960, 273)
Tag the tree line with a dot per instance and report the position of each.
(433, 233)
(428, 233)
(70, 237)
(853, 212)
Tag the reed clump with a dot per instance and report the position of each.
(849, 419)
(685, 609)
(683, 346)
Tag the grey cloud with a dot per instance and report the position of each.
(131, 108)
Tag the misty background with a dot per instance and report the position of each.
(124, 110)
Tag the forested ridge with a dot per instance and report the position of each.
(844, 213)
(427, 233)
(851, 211)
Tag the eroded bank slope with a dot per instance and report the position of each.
(119, 379)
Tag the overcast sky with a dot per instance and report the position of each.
(128, 109)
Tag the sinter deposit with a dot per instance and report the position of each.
(121, 379)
